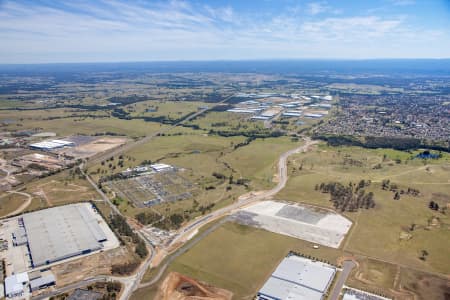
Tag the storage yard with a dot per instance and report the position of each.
(302, 222)
(298, 278)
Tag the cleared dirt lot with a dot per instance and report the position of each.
(180, 287)
(89, 147)
(302, 222)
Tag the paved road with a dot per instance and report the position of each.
(347, 267)
(187, 230)
(180, 251)
(131, 283)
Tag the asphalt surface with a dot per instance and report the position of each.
(347, 267)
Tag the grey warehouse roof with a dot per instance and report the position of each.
(298, 278)
(62, 232)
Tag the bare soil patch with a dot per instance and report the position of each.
(179, 287)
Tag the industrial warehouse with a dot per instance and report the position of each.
(39, 240)
(61, 232)
(298, 278)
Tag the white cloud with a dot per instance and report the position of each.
(119, 30)
(316, 8)
(403, 2)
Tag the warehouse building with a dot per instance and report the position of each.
(62, 232)
(298, 278)
(15, 285)
(51, 145)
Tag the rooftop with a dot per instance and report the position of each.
(62, 232)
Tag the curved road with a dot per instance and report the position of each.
(131, 283)
(188, 229)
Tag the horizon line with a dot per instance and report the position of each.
(223, 60)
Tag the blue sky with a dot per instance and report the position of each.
(42, 31)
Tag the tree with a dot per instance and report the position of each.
(424, 255)
(397, 196)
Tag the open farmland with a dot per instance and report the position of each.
(200, 156)
(386, 231)
(85, 125)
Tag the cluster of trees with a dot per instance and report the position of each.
(433, 205)
(172, 221)
(146, 218)
(352, 162)
(309, 257)
(124, 269)
(373, 142)
(350, 197)
(240, 181)
(387, 185)
(120, 225)
(263, 133)
(244, 143)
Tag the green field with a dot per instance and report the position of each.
(240, 258)
(200, 155)
(259, 160)
(377, 231)
(171, 110)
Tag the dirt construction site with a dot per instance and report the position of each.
(303, 222)
(180, 287)
(87, 146)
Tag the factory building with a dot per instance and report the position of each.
(51, 145)
(298, 278)
(61, 232)
(15, 285)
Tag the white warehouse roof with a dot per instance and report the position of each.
(52, 144)
(14, 284)
(62, 232)
(298, 278)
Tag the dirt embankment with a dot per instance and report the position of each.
(180, 287)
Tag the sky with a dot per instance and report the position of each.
(40, 31)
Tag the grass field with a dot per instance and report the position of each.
(227, 121)
(397, 282)
(200, 155)
(240, 258)
(59, 189)
(377, 231)
(81, 125)
(258, 161)
(172, 110)
(10, 202)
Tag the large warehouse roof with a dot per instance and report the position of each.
(62, 232)
(52, 144)
(298, 278)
